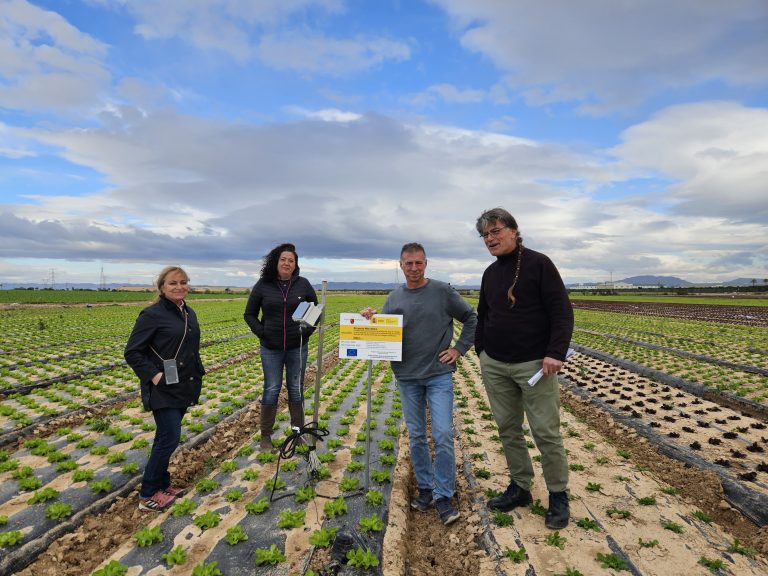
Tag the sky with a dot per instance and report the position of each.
(626, 138)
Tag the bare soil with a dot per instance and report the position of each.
(417, 543)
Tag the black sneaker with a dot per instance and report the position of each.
(513, 497)
(423, 501)
(448, 514)
(559, 511)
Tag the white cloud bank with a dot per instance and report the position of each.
(352, 185)
(610, 55)
(345, 186)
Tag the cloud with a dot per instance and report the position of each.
(716, 151)
(341, 184)
(279, 33)
(349, 187)
(317, 54)
(448, 93)
(46, 64)
(607, 55)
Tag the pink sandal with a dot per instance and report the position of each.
(158, 502)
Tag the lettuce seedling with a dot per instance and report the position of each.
(148, 536)
(271, 556)
(371, 523)
(203, 569)
(208, 520)
(175, 557)
(43, 495)
(323, 537)
(183, 507)
(335, 507)
(235, 534)
(291, 519)
(258, 507)
(374, 498)
(360, 558)
(114, 568)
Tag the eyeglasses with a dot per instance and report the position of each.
(494, 233)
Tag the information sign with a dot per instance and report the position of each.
(380, 338)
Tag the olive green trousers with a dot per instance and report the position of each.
(512, 399)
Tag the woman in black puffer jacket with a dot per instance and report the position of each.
(276, 295)
(166, 334)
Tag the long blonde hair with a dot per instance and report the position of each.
(161, 279)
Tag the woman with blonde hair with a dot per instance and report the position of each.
(164, 352)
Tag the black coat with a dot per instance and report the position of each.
(161, 326)
(276, 329)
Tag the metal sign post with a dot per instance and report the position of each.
(379, 337)
(319, 371)
(368, 428)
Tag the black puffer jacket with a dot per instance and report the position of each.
(161, 326)
(276, 329)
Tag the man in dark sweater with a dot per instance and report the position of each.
(525, 322)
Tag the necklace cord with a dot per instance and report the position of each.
(510, 292)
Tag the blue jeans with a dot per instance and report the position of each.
(415, 395)
(294, 361)
(167, 435)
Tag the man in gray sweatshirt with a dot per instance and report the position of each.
(425, 374)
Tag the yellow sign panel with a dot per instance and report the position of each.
(387, 320)
(385, 334)
(380, 338)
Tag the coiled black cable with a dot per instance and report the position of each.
(288, 449)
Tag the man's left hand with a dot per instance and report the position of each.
(551, 366)
(449, 356)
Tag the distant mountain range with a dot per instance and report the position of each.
(71, 286)
(655, 281)
(675, 282)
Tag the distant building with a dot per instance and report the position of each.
(604, 286)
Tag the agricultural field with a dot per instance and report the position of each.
(18, 297)
(750, 312)
(665, 419)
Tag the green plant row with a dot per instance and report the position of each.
(247, 480)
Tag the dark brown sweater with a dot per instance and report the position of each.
(541, 321)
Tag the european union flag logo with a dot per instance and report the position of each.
(351, 351)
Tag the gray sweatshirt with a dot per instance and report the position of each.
(428, 315)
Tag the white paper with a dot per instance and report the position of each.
(536, 377)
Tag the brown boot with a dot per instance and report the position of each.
(268, 413)
(296, 410)
(297, 414)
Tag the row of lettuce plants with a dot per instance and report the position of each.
(25, 409)
(233, 510)
(733, 444)
(47, 481)
(619, 511)
(746, 384)
(732, 342)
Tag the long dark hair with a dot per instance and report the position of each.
(269, 266)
